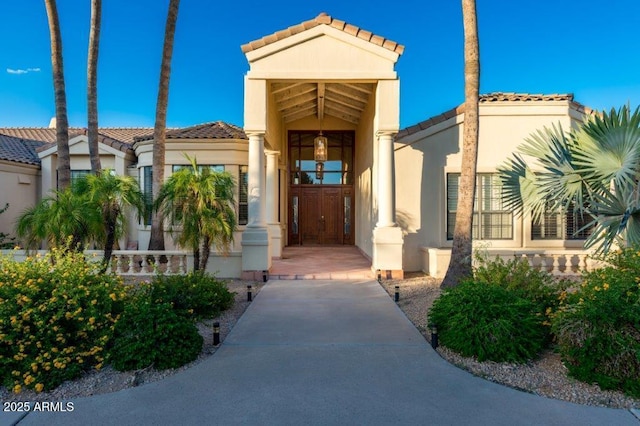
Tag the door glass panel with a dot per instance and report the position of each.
(294, 221)
(347, 215)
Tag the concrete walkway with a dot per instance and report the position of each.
(324, 353)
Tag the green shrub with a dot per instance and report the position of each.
(489, 322)
(150, 333)
(57, 314)
(598, 326)
(196, 295)
(518, 276)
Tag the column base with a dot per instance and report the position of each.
(255, 250)
(387, 250)
(275, 240)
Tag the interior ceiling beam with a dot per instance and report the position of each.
(294, 90)
(296, 100)
(320, 101)
(280, 87)
(346, 117)
(309, 108)
(366, 88)
(342, 108)
(346, 101)
(299, 114)
(344, 90)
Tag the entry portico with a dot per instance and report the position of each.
(321, 75)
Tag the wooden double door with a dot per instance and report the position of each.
(321, 215)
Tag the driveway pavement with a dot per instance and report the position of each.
(324, 353)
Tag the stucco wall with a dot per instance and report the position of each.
(20, 187)
(230, 153)
(365, 208)
(423, 159)
(319, 53)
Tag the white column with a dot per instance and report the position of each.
(255, 238)
(385, 180)
(387, 237)
(256, 182)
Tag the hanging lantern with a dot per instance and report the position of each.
(319, 170)
(320, 148)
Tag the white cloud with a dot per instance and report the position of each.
(22, 71)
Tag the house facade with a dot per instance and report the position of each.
(321, 159)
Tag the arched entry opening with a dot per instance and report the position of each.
(321, 203)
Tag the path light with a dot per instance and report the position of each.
(216, 333)
(434, 336)
(265, 276)
(249, 295)
(396, 296)
(379, 276)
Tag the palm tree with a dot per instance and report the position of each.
(460, 265)
(62, 124)
(62, 216)
(593, 169)
(111, 195)
(92, 86)
(156, 241)
(201, 203)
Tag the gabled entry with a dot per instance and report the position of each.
(321, 75)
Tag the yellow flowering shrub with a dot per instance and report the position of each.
(57, 315)
(598, 326)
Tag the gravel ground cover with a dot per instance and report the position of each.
(545, 376)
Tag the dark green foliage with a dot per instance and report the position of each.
(598, 326)
(518, 276)
(151, 333)
(196, 295)
(489, 322)
(157, 326)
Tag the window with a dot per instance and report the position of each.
(213, 168)
(559, 226)
(243, 199)
(146, 183)
(491, 221)
(78, 174)
(336, 170)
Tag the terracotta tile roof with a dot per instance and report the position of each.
(215, 130)
(324, 19)
(490, 98)
(20, 150)
(48, 134)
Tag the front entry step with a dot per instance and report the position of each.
(355, 275)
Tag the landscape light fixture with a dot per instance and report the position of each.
(216, 333)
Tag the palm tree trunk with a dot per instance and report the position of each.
(196, 257)
(461, 253)
(156, 241)
(62, 124)
(109, 243)
(92, 86)
(206, 250)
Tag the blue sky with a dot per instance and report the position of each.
(587, 48)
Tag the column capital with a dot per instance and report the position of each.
(271, 152)
(388, 133)
(255, 133)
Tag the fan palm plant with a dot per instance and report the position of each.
(199, 204)
(593, 169)
(111, 195)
